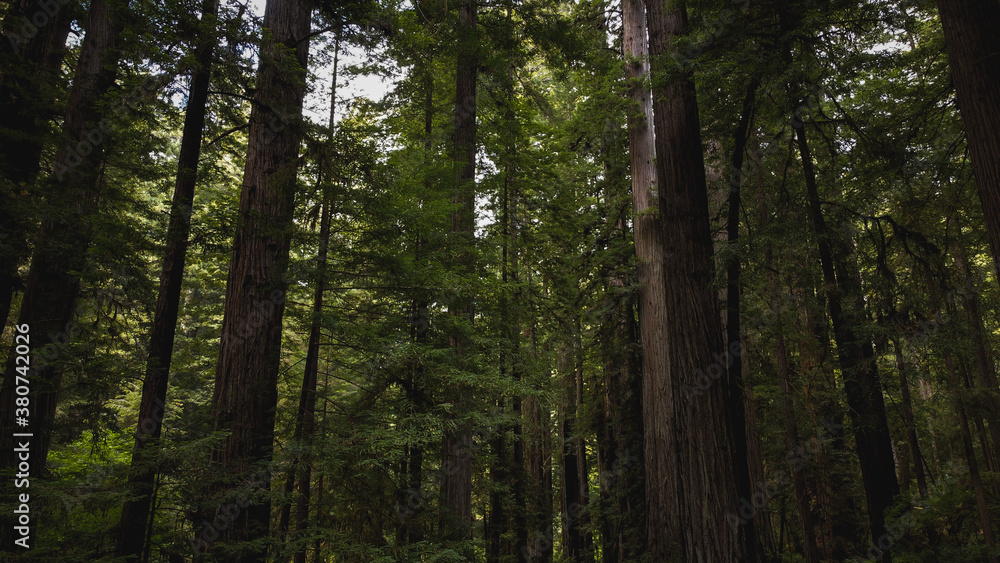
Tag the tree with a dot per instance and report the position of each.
(456, 485)
(31, 61)
(690, 471)
(250, 349)
(61, 244)
(135, 513)
(842, 286)
(974, 54)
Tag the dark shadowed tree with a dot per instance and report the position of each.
(970, 31)
(72, 195)
(152, 406)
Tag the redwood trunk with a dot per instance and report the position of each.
(29, 74)
(577, 539)
(538, 462)
(911, 426)
(62, 241)
(750, 536)
(305, 417)
(792, 441)
(985, 516)
(456, 486)
(627, 537)
(690, 472)
(249, 357)
(985, 369)
(970, 32)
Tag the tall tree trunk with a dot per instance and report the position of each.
(911, 426)
(249, 356)
(792, 441)
(62, 241)
(573, 495)
(538, 463)
(750, 536)
(620, 437)
(630, 538)
(29, 74)
(858, 369)
(305, 417)
(690, 472)
(513, 324)
(152, 405)
(497, 519)
(801, 486)
(985, 367)
(970, 32)
(456, 486)
(985, 515)
(300, 472)
(837, 512)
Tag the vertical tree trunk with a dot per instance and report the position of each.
(152, 405)
(985, 367)
(750, 536)
(970, 32)
(630, 538)
(858, 369)
(573, 495)
(300, 472)
(837, 515)
(513, 324)
(305, 418)
(62, 241)
(29, 74)
(456, 485)
(538, 462)
(619, 439)
(792, 441)
(249, 356)
(985, 516)
(690, 473)
(801, 486)
(911, 427)
(497, 518)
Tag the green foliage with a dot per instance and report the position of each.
(551, 274)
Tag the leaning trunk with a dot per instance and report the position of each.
(29, 75)
(152, 405)
(857, 363)
(62, 241)
(750, 536)
(974, 52)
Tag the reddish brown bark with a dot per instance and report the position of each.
(970, 32)
(73, 192)
(985, 515)
(690, 472)
(249, 357)
(456, 486)
(908, 419)
(29, 75)
(738, 406)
